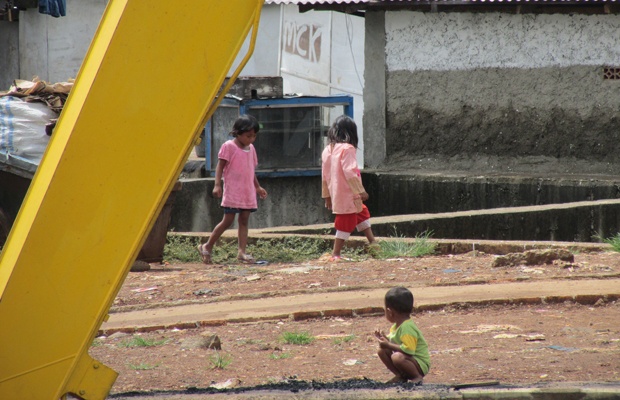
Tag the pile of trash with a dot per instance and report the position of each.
(53, 95)
(29, 111)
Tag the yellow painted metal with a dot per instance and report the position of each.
(144, 92)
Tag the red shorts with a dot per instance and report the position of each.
(348, 222)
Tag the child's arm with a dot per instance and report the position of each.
(385, 343)
(217, 188)
(352, 173)
(262, 193)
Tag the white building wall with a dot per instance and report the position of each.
(464, 41)
(322, 54)
(265, 58)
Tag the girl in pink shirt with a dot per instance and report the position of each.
(236, 163)
(342, 184)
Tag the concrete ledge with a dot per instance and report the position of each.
(570, 222)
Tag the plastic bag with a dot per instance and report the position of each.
(22, 128)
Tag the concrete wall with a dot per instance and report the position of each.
(406, 193)
(499, 84)
(9, 61)
(375, 90)
(53, 48)
(493, 207)
(290, 201)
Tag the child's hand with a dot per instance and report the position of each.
(262, 193)
(217, 191)
(364, 196)
(328, 203)
(380, 335)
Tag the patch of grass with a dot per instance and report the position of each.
(297, 338)
(614, 241)
(420, 246)
(143, 366)
(181, 249)
(346, 339)
(290, 249)
(139, 341)
(279, 356)
(96, 343)
(220, 361)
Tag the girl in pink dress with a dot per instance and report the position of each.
(342, 190)
(236, 164)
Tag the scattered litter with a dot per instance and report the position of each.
(492, 328)
(204, 292)
(448, 351)
(230, 383)
(254, 277)
(562, 348)
(506, 336)
(336, 336)
(532, 270)
(352, 361)
(458, 386)
(299, 269)
(149, 289)
(317, 284)
(261, 262)
(451, 270)
(528, 338)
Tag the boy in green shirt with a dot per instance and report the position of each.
(404, 350)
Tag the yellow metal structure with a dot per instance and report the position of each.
(145, 90)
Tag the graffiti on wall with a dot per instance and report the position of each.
(303, 40)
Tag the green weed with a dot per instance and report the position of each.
(181, 249)
(139, 341)
(614, 241)
(420, 246)
(279, 356)
(297, 338)
(219, 361)
(143, 366)
(346, 339)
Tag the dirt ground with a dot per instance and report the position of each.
(523, 344)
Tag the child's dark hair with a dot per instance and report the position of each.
(399, 299)
(343, 130)
(245, 123)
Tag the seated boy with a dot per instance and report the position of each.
(404, 350)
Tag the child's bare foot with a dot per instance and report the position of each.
(417, 381)
(397, 379)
